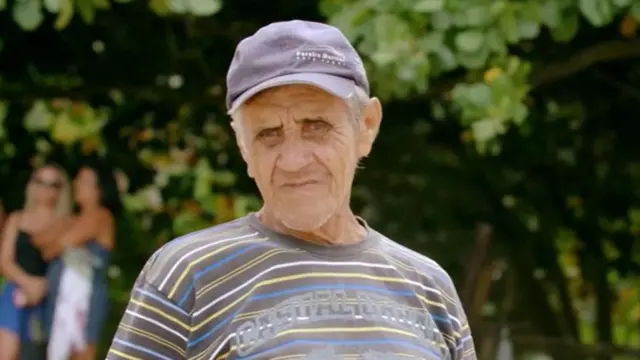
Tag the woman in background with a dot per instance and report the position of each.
(78, 300)
(47, 201)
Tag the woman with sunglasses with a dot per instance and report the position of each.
(78, 282)
(22, 264)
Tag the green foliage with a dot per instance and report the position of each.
(29, 14)
(410, 43)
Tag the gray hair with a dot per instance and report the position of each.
(356, 103)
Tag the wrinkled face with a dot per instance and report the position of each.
(45, 184)
(85, 187)
(302, 146)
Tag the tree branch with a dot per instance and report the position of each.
(474, 267)
(548, 74)
(603, 52)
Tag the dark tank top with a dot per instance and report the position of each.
(28, 257)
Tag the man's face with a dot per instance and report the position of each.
(302, 146)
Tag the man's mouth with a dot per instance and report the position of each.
(299, 184)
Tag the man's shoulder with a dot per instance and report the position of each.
(420, 263)
(206, 240)
(441, 294)
(175, 263)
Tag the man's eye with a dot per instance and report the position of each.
(316, 126)
(269, 133)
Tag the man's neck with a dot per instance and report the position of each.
(341, 229)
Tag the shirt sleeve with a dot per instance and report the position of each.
(152, 327)
(465, 348)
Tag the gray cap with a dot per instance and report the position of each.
(294, 52)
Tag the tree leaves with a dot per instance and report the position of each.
(635, 10)
(598, 12)
(428, 6)
(160, 7)
(86, 10)
(38, 118)
(528, 29)
(551, 14)
(404, 51)
(474, 37)
(195, 7)
(469, 41)
(622, 3)
(27, 14)
(52, 5)
(568, 30)
(65, 14)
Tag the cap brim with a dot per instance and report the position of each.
(335, 85)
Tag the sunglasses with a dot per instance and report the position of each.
(53, 185)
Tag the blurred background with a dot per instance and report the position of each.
(509, 148)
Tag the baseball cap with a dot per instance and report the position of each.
(294, 52)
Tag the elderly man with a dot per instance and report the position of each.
(304, 277)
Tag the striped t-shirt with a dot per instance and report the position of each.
(242, 291)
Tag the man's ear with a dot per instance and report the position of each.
(245, 157)
(240, 140)
(369, 127)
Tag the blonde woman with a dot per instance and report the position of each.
(48, 200)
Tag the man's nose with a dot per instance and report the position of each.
(294, 155)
